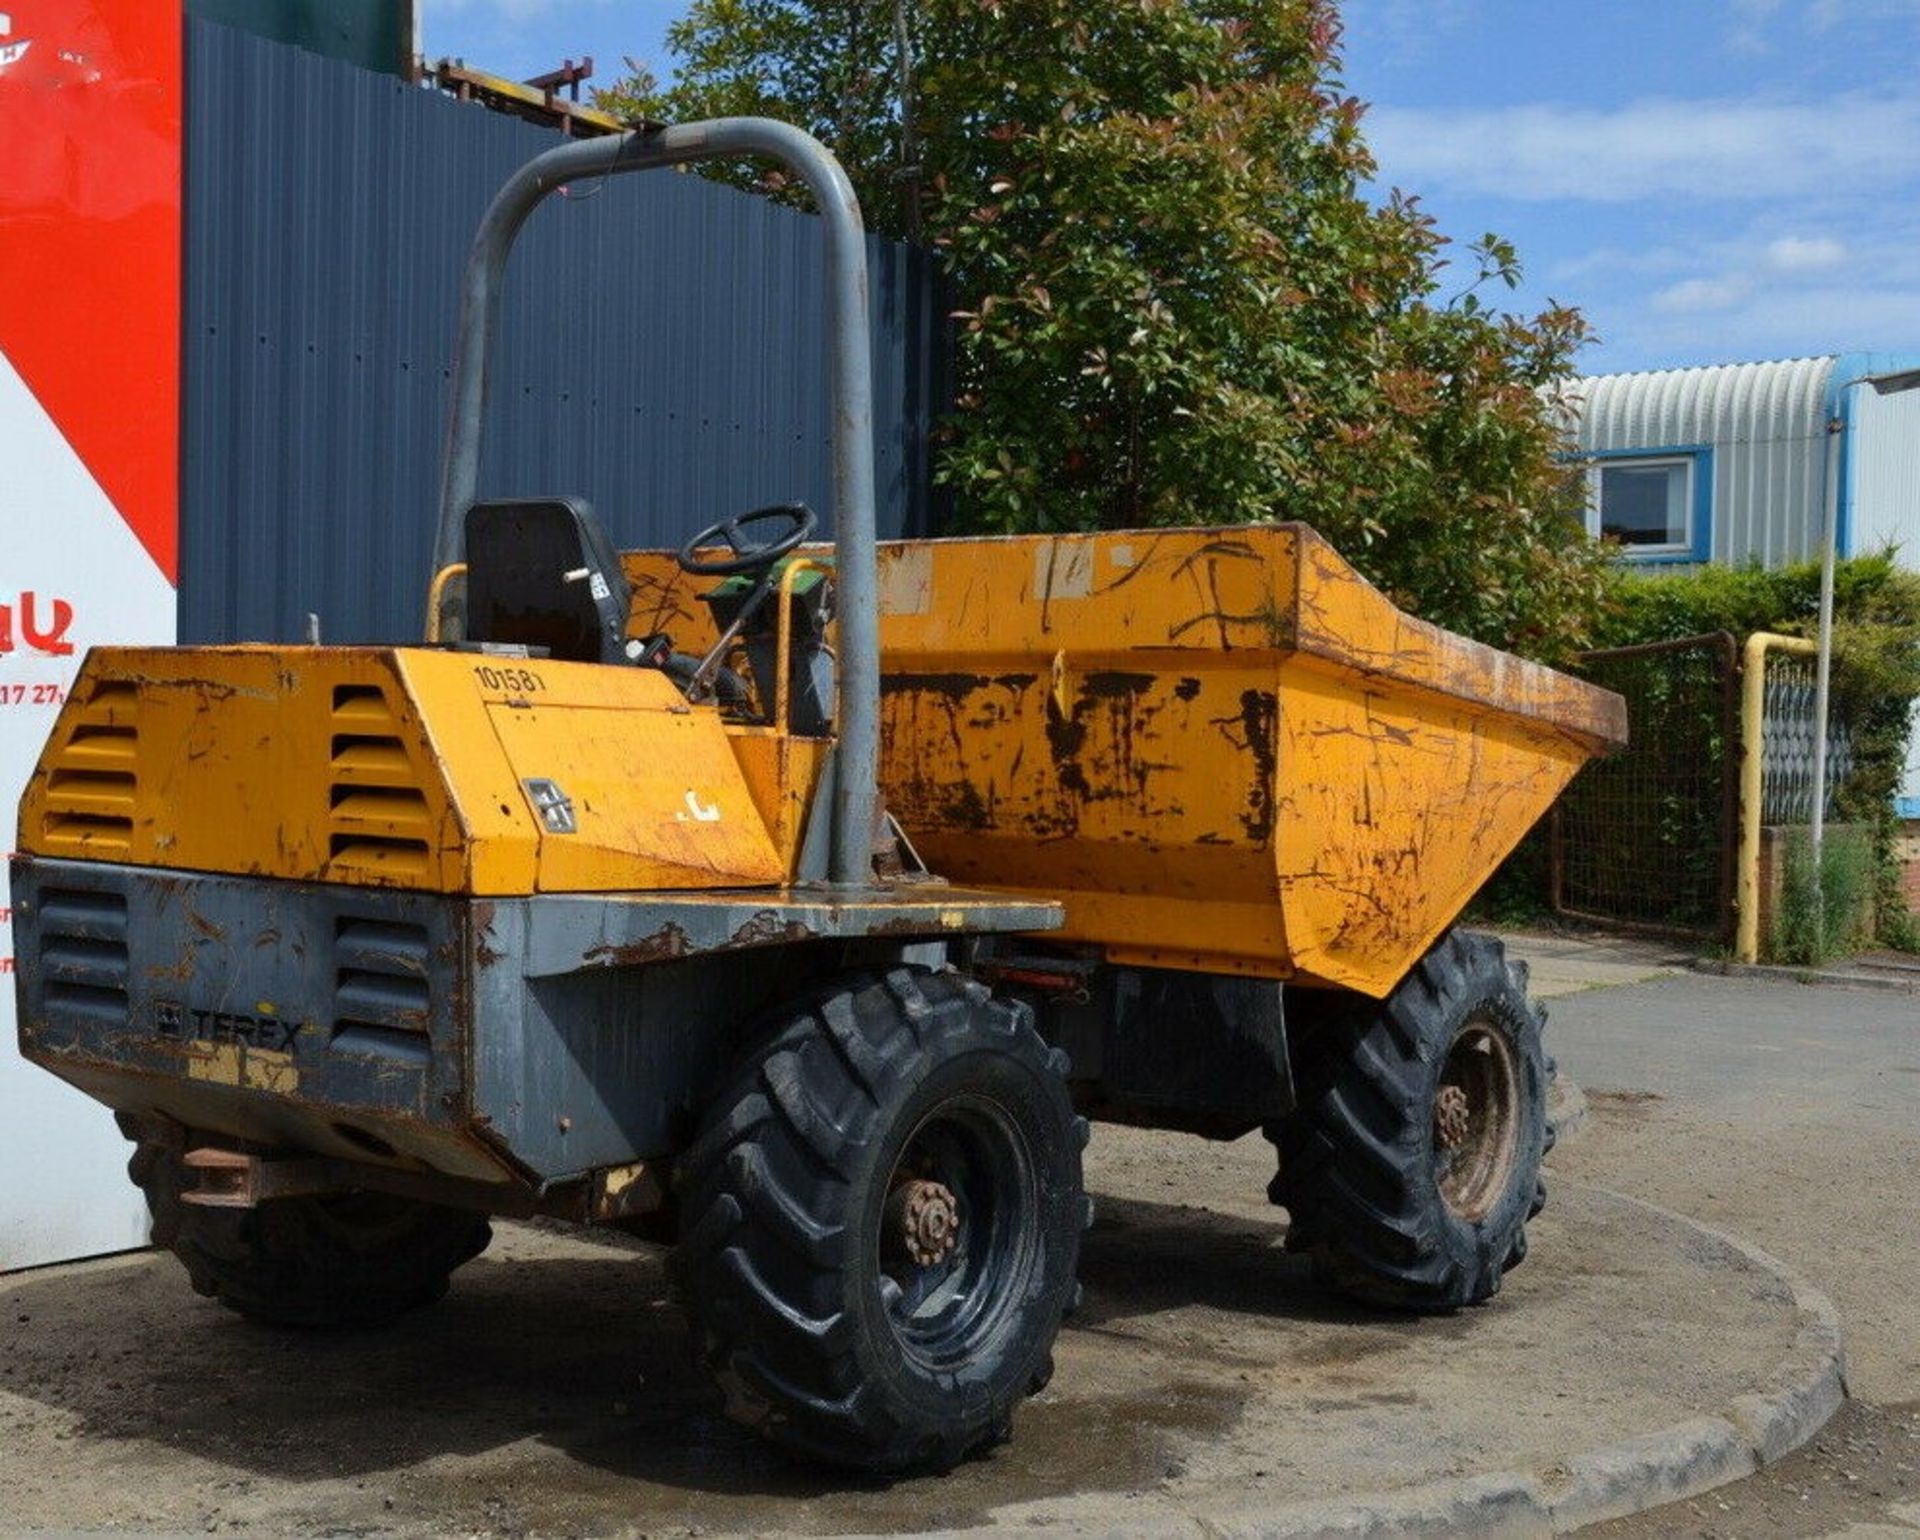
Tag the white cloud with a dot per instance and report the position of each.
(1752, 28)
(1695, 295)
(1412, 31)
(1800, 254)
(1736, 304)
(1614, 261)
(1649, 150)
(1768, 323)
(1749, 26)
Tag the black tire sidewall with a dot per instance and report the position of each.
(1034, 1102)
(1358, 1173)
(299, 1262)
(784, 1192)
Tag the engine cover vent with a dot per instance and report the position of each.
(83, 954)
(379, 827)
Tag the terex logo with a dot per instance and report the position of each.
(190, 1024)
(40, 630)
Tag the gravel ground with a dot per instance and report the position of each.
(551, 1393)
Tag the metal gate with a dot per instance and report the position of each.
(1645, 840)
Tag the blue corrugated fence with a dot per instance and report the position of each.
(660, 353)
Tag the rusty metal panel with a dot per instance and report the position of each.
(326, 1017)
(1222, 750)
(604, 1023)
(661, 348)
(482, 1039)
(591, 932)
(396, 767)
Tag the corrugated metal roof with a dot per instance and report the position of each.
(660, 351)
(1766, 424)
(1723, 403)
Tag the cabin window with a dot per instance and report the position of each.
(1654, 505)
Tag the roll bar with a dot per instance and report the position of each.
(854, 796)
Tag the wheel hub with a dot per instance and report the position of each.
(1452, 1117)
(924, 1218)
(1476, 1120)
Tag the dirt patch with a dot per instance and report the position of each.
(552, 1391)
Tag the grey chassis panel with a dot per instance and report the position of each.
(566, 933)
(286, 1014)
(542, 1037)
(609, 1022)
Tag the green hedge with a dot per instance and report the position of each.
(1876, 667)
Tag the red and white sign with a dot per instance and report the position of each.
(90, 101)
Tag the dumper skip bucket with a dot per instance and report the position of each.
(1223, 750)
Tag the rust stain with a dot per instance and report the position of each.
(911, 925)
(665, 945)
(767, 929)
(205, 926)
(481, 919)
(179, 972)
(1150, 779)
(1252, 733)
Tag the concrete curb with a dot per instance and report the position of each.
(1630, 1476)
(1726, 968)
(1566, 1108)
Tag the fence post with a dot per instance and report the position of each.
(1753, 710)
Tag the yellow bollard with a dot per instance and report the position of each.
(1753, 702)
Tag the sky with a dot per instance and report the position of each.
(1708, 180)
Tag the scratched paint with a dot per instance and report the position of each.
(406, 768)
(1220, 749)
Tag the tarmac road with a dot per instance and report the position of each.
(1788, 1114)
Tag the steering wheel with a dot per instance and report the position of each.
(797, 518)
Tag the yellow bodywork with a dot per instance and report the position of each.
(1222, 750)
(405, 767)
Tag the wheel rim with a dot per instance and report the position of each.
(1476, 1119)
(958, 1238)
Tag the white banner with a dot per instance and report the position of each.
(72, 576)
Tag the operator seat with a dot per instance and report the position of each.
(541, 573)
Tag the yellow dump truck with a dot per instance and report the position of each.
(799, 904)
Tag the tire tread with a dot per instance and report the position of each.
(766, 1200)
(1353, 1153)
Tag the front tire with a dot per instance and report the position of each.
(340, 1260)
(883, 1223)
(1411, 1165)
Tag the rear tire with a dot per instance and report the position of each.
(883, 1218)
(1411, 1165)
(355, 1259)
